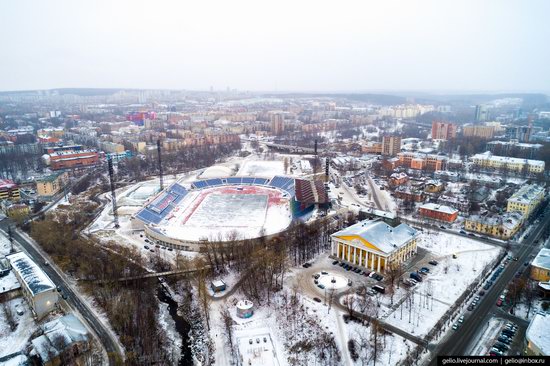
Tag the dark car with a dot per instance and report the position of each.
(470, 307)
(415, 276)
(146, 247)
(504, 339)
(378, 277)
(501, 346)
(433, 263)
(306, 265)
(316, 299)
(425, 269)
(462, 232)
(341, 264)
(471, 234)
(334, 263)
(508, 333)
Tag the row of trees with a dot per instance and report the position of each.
(189, 158)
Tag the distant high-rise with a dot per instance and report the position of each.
(277, 123)
(520, 133)
(391, 145)
(443, 130)
(482, 114)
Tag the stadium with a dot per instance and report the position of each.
(223, 209)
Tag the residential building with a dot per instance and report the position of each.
(409, 194)
(391, 163)
(481, 113)
(39, 291)
(48, 186)
(540, 267)
(421, 161)
(397, 179)
(9, 190)
(536, 336)
(526, 199)
(520, 133)
(514, 148)
(434, 186)
(372, 147)
(443, 130)
(277, 123)
(499, 226)
(484, 132)
(488, 160)
(63, 339)
(391, 145)
(438, 212)
(374, 244)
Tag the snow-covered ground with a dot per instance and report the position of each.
(261, 168)
(487, 337)
(446, 281)
(15, 341)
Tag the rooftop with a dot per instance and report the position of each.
(68, 328)
(35, 279)
(439, 208)
(7, 184)
(542, 260)
(537, 332)
(506, 159)
(380, 234)
(509, 220)
(526, 194)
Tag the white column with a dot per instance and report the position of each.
(349, 253)
(332, 248)
(354, 255)
(371, 261)
(378, 259)
(360, 257)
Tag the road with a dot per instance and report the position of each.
(108, 340)
(459, 344)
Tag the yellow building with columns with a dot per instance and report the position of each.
(375, 245)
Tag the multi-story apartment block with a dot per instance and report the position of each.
(526, 199)
(499, 226)
(488, 160)
(443, 130)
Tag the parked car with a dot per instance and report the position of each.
(415, 276)
(378, 288)
(317, 276)
(321, 286)
(425, 269)
(371, 292)
(499, 302)
(146, 247)
(306, 265)
(334, 263)
(470, 307)
(456, 326)
(481, 293)
(504, 339)
(461, 319)
(378, 277)
(433, 262)
(316, 299)
(324, 272)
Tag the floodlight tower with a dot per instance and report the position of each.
(113, 195)
(160, 165)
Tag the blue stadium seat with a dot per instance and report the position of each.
(248, 180)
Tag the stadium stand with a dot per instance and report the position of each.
(162, 205)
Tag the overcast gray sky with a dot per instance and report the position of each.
(294, 45)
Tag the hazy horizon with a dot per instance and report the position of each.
(311, 47)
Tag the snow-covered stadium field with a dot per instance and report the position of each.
(219, 212)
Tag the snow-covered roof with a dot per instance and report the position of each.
(527, 194)
(35, 279)
(439, 208)
(218, 283)
(380, 234)
(506, 159)
(537, 332)
(542, 260)
(67, 327)
(509, 220)
(7, 184)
